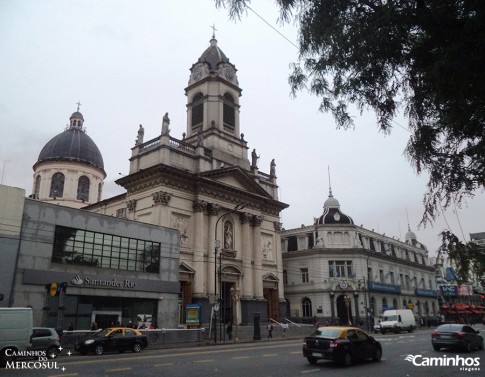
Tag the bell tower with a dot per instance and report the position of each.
(213, 94)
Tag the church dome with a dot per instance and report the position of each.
(72, 145)
(213, 56)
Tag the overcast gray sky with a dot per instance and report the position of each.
(128, 63)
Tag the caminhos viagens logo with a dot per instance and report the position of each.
(467, 364)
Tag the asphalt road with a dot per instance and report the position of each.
(277, 358)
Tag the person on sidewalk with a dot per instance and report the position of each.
(284, 329)
(269, 327)
(229, 331)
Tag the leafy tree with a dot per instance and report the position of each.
(424, 56)
(469, 258)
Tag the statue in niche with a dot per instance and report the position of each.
(139, 138)
(267, 250)
(165, 124)
(228, 236)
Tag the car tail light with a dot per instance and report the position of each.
(434, 333)
(459, 334)
(334, 343)
(58, 338)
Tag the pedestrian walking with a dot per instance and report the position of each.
(269, 327)
(284, 329)
(229, 331)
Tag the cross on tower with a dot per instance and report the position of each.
(78, 104)
(213, 27)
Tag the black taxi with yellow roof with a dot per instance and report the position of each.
(343, 344)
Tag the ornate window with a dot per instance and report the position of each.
(229, 113)
(83, 189)
(307, 307)
(57, 186)
(197, 111)
(304, 275)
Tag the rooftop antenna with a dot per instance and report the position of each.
(407, 216)
(329, 184)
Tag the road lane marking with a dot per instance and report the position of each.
(163, 365)
(310, 371)
(64, 375)
(295, 353)
(240, 357)
(117, 369)
(204, 361)
(270, 354)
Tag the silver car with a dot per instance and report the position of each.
(46, 339)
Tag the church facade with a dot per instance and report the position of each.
(208, 186)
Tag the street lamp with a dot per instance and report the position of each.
(217, 245)
(235, 295)
(347, 305)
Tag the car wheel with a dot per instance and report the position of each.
(468, 347)
(137, 347)
(436, 348)
(346, 360)
(377, 354)
(98, 349)
(52, 352)
(383, 332)
(398, 330)
(480, 346)
(311, 360)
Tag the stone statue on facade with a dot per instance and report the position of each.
(272, 169)
(165, 124)
(141, 133)
(254, 158)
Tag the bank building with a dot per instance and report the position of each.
(343, 273)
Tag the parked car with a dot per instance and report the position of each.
(341, 344)
(46, 339)
(113, 339)
(456, 335)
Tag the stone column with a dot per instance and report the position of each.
(200, 287)
(357, 311)
(332, 305)
(160, 213)
(246, 257)
(279, 259)
(213, 210)
(256, 222)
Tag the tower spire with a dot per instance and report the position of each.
(213, 27)
(329, 184)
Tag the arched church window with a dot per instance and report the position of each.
(83, 189)
(100, 187)
(229, 113)
(37, 187)
(307, 307)
(228, 235)
(57, 186)
(197, 110)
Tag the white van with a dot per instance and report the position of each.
(15, 332)
(397, 321)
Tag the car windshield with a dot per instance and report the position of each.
(390, 318)
(326, 332)
(449, 328)
(101, 333)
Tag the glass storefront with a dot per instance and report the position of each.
(105, 311)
